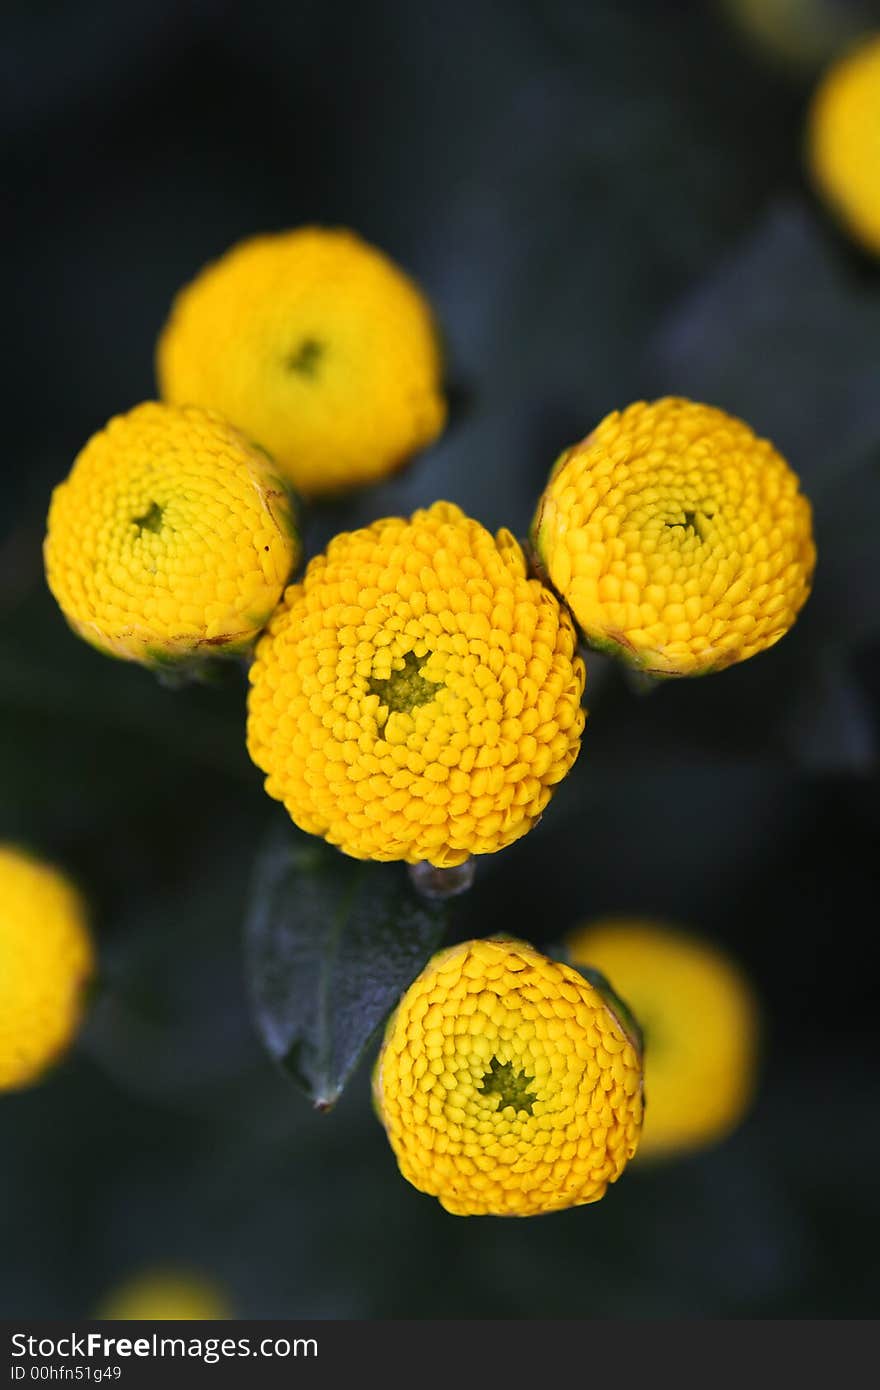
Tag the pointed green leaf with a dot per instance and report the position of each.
(331, 944)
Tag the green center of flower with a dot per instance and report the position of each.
(511, 1087)
(692, 522)
(151, 519)
(405, 689)
(305, 358)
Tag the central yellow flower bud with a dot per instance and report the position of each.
(506, 1083)
(417, 696)
(171, 539)
(318, 347)
(679, 540)
(46, 961)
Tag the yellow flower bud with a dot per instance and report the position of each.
(679, 540)
(506, 1084)
(46, 962)
(416, 696)
(171, 539)
(843, 141)
(318, 347)
(159, 1295)
(700, 1024)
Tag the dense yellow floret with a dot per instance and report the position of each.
(506, 1084)
(159, 1295)
(843, 141)
(679, 540)
(318, 347)
(172, 538)
(416, 696)
(46, 961)
(699, 1020)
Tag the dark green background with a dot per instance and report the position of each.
(605, 201)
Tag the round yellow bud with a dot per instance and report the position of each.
(700, 1025)
(159, 1295)
(417, 696)
(506, 1084)
(318, 347)
(679, 540)
(46, 962)
(172, 538)
(843, 141)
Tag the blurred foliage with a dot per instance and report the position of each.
(605, 201)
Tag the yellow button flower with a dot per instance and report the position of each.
(679, 540)
(416, 696)
(159, 1295)
(506, 1084)
(700, 1025)
(46, 961)
(318, 347)
(843, 141)
(171, 539)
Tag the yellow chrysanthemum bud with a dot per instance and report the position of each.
(506, 1084)
(316, 345)
(160, 1295)
(843, 141)
(172, 538)
(700, 1025)
(679, 540)
(416, 696)
(46, 962)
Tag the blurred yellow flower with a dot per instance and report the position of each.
(171, 539)
(506, 1084)
(46, 962)
(158, 1295)
(679, 540)
(801, 33)
(317, 346)
(843, 141)
(416, 696)
(700, 1025)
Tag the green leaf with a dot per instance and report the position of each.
(331, 944)
(787, 336)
